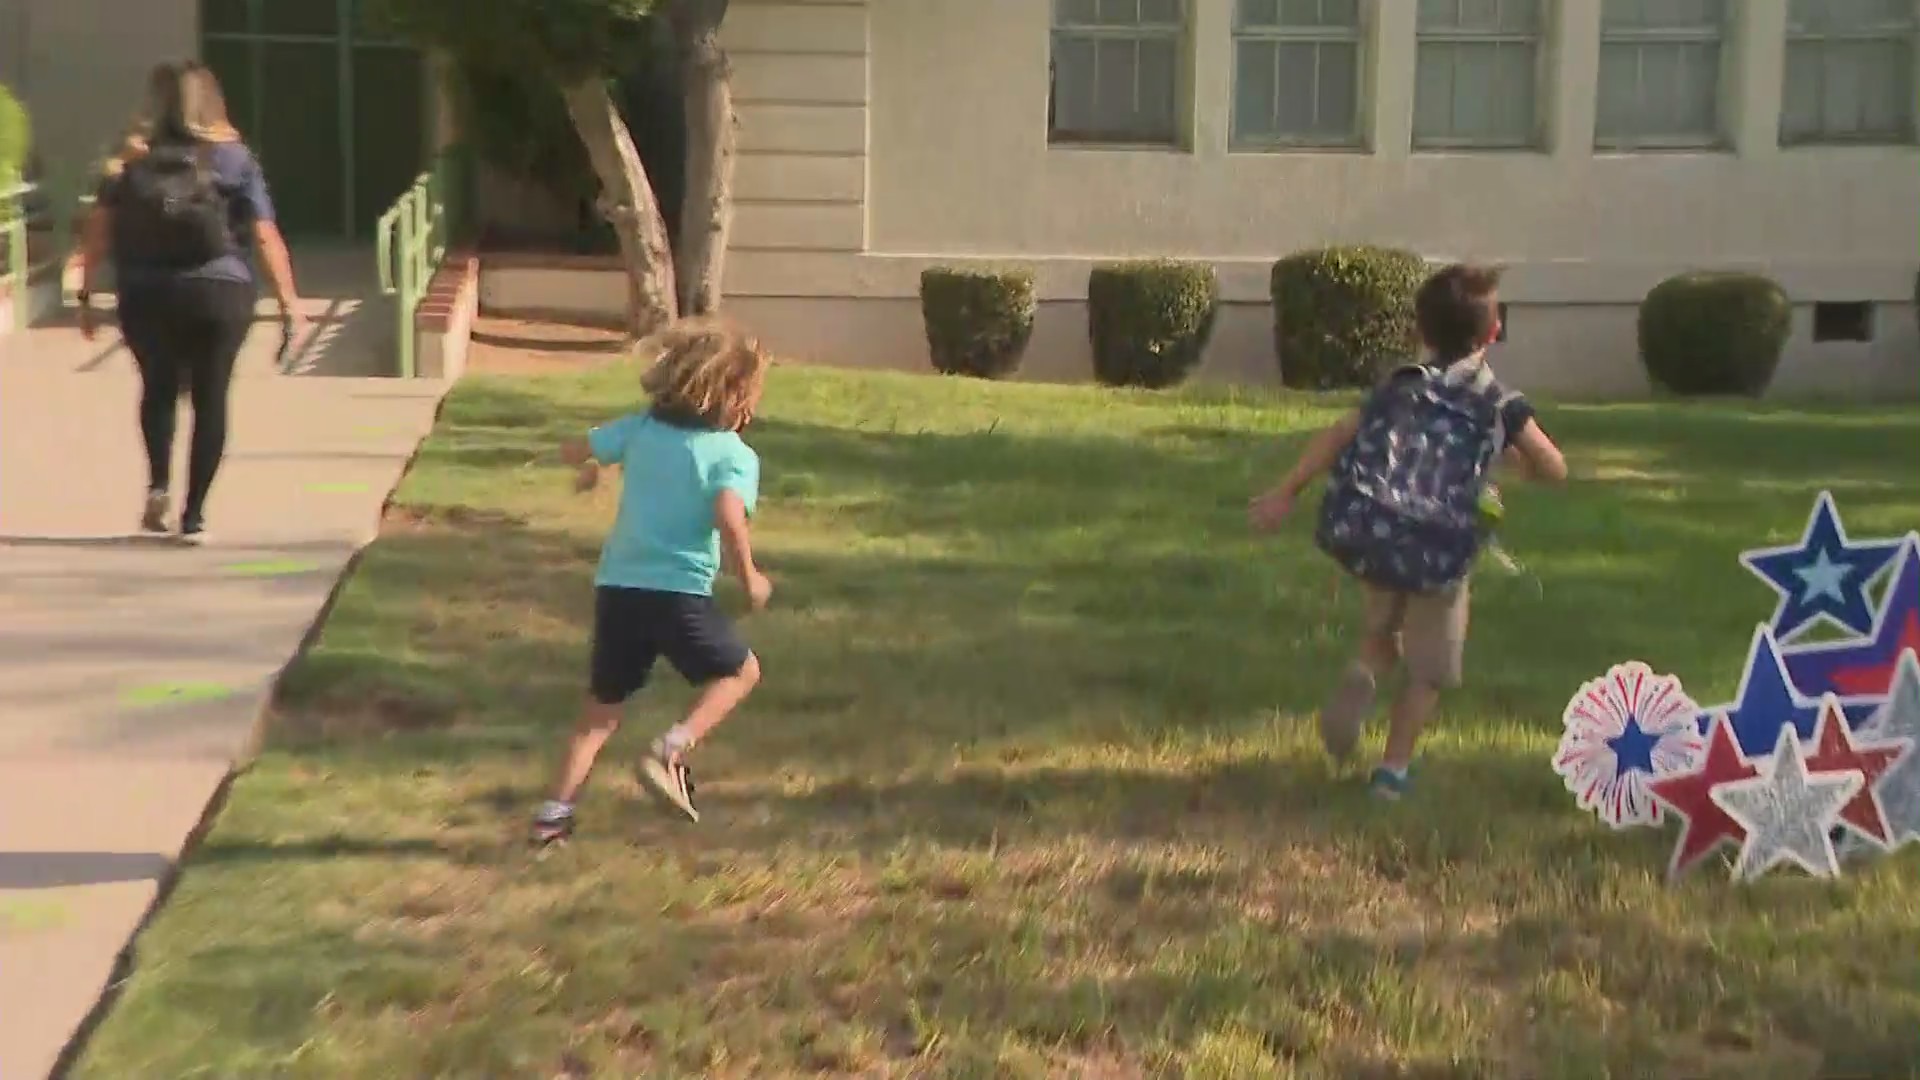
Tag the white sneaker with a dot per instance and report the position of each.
(667, 778)
(154, 518)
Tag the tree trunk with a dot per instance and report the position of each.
(627, 202)
(706, 213)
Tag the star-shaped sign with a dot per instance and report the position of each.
(1899, 787)
(1787, 813)
(1703, 825)
(1836, 752)
(1824, 576)
(1766, 702)
(1863, 669)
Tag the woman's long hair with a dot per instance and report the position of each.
(184, 105)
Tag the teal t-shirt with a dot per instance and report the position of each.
(664, 537)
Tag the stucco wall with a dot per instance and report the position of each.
(955, 167)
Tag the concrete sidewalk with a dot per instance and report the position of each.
(132, 672)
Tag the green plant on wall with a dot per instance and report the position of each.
(16, 136)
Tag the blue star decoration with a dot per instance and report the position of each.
(1767, 702)
(1862, 670)
(1824, 576)
(1632, 749)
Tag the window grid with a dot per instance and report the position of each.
(1447, 38)
(1817, 39)
(1101, 32)
(1264, 42)
(1638, 40)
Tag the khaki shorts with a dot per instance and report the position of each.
(1430, 629)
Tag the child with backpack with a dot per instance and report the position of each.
(1402, 511)
(688, 485)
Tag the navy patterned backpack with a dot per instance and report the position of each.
(1402, 507)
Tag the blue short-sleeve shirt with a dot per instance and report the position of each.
(665, 537)
(238, 176)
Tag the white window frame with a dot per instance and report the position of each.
(1178, 32)
(1637, 38)
(1355, 36)
(1540, 38)
(1907, 31)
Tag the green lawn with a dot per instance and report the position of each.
(1031, 787)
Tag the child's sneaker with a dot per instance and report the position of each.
(552, 825)
(1389, 784)
(1343, 716)
(666, 776)
(153, 517)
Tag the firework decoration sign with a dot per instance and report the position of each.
(1816, 761)
(1625, 730)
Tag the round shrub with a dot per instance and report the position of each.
(1150, 321)
(15, 136)
(978, 321)
(1714, 332)
(1344, 315)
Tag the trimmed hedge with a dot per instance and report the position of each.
(1344, 315)
(1714, 332)
(978, 321)
(16, 135)
(1150, 321)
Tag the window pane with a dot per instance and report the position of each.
(1115, 69)
(1475, 93)
(1480, 16)
(1339, 99)
(1072, 83)
(1618, 114)
(1831, 15)
(1666, 90)
(1259, 12)
(1160, 13)
(1118, 12)
(1157, 89)
(1662, 14)
(1075, 12)
(1844, 90)
(1254, 76)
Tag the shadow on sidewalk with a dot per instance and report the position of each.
(63, 869)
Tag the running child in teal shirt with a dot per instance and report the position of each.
(689, 483)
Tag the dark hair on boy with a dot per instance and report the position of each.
(1455, 310)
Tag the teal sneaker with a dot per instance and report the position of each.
(1389, 784)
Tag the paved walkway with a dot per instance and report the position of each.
(132, 671)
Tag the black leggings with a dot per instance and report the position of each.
(185, 331)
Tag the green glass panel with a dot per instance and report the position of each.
(319, 18)
(299, 138)
(223, 16)
(389, 129)
(232, 64)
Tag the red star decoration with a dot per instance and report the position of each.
(1835, 751)
(1874, 679)
(1703, 825)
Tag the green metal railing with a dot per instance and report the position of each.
(413, 239)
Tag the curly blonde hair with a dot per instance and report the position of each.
(184, 103)
(706, 371)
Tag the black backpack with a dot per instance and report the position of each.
(1402, 509)
(168, 211)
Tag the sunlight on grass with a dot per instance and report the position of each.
(1031, 787)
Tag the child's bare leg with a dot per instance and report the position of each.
(1435, 638)
(715, 703)
(597, 724)
(1342, 718)
(1411, 711)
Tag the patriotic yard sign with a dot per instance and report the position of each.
(1816, 760)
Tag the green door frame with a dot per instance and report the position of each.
(344, 42)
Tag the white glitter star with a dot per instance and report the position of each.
(1899, 786)
(1823, 578)
(1788, 813)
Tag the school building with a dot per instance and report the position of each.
(1595, 147)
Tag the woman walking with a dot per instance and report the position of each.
(181, 211)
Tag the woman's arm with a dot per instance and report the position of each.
(96, 241)
(278, 264)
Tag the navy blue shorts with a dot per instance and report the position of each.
(634, 628)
